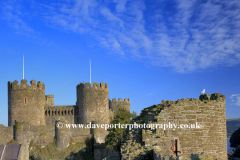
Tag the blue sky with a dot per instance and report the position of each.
(145, 50)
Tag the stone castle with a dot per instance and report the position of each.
(30, 104)
(32, 116)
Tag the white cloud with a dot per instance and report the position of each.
(189, 35)
(149, 94)
(13, 15)
(235, 98)
(234, 95)
(120, 7)
(111, 17)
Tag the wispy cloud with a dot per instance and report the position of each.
(12, 12)
(185, 35)
(120, 7)
(235, 99)
(149, 94)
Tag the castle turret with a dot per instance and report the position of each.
(99, 133)
(49, 100)
(114, 105)
(22, 132)
(26, 103)
(62, 134)
(93, 102)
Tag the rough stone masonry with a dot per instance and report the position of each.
(32, 115)
(210, 138)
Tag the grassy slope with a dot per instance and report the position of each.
(50, 151)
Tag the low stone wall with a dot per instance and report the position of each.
(6, 134)
(25, 133)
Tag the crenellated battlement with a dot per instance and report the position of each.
(103, 86)
(126, 100)
(214, 96)
(23, 85)
(26, 102)
(114, 104)
(92, 102)
(50, 96)
(49, 100)
(32, 114)
(32, 99)
(205, 97)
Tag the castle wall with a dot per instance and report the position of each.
(62, 135)
(114, 105)
(26, 103)
(42, 134)
(22, 133)
(208, 112)
(25, 133)
(6, 134)
(93, 102)
(71, 134)
(111, 114)
(54, 113)
(80, 135)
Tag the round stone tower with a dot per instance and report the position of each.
(62, 134)
(21, 134)
(99, 134)
(26, 103)
(93, 102)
